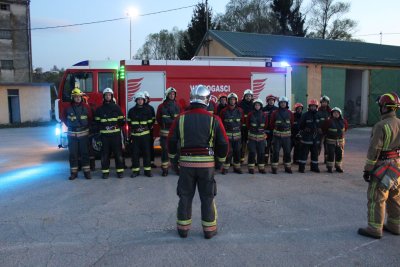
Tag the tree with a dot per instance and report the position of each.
(162, 45)
(192, 37)
(288, 17)
(326, 20)
(297, 20)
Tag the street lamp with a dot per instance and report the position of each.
(131, 13)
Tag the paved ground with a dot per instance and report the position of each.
(264, 220)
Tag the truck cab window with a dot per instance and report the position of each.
(106, 80)
(83, 80)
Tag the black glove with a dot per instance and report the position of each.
(367, 176)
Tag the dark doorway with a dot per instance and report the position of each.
(13, 106)
(352, 100)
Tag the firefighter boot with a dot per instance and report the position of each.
(148, 173)
(262, 171)
(120, 174)
(302, 167)
(330, 169)
(391, 229)
(105, 175)
(208, 233)
(251, 171)
(274, 170)
(153, 165)
(288, 170)
(314, 167)
(339, 169)
(183, 230)
(73, 176)
(134, 174)
(164, 172)
(92, 165)
(369, 232)
(87, 175)
(224, 171)
(237, 170)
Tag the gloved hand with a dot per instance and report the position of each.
(367, 176)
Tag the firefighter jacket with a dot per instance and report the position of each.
(201, 136)
(77, 117)
(232, 117)
(109, 118)
(296, 123)
(247, 107)
(334, 130)
(281, 122)
(166, 113)
(153, 113)
(140, 120)
(212, 107)
(269, 109)
(384, 140)
(310, 128)
(257, 123)
(220, 108)
(324, 113)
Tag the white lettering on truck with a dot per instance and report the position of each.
(216, 88)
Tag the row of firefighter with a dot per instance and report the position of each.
(252, 128)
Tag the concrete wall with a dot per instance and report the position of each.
(35, 102)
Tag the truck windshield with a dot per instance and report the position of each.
(83, 80)
(106, 80)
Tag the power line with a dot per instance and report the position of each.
(98, 21)
(373, 34)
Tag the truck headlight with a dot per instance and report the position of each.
(58, 131)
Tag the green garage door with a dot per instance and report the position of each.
(333, 85)
(299, 84)
(381, 81)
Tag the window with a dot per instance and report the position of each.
(5, 7)
(5, 34)
(82, 80)
(106, 80)
(7, 64)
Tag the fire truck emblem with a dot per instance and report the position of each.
(133, 87)
(258, 86)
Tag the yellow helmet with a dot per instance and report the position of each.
(76, 92)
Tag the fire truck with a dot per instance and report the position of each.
(126, 77)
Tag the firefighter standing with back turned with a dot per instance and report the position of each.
(77, 118)
(109, 120)
(201, 135)
(382, 171)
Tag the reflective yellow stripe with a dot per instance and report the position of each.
(197, 158)
(394, 221)
(120, 170)
(213, 223)
(83, 117)
(135, 169)
(222, 160)
(181, 130)
(110, 119)
(388, 137)
(147, 168)
(211, 144)
(109, 131)
(120, 117)
(184, 222)
(140, 134)
(370, 162)
(171, 156)
(96, 118)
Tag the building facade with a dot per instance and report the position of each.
(15, 42)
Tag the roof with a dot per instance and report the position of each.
(300, 49)
(25, 84)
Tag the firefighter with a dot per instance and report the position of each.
(247, 106)
(232, 117)
(140, 120)
(324, 111)
(257, 122)
(382, 171)
(77, 117)
(334, 128)
(109, 119)
(166, 113)
(281, 126)
(153, 119)
(297, 113)
(269, 108)
(201, 136)
(222, 103)
(310, 132)
(92, 158)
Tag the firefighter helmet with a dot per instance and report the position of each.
(270, 97)
(389, 100)
(140, 95)
(76, 92)
(283, 99)
(146, 94)
(298, 105)
(313, 102)
(338, 110)
(96, 142)
(233, 95)
(325, 98)
(108, 90)
(247, 92)
(222, 95)
(259, 101)
(200, 94)
(170, 90)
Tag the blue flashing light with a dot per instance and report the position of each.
(284, 64)
(58, 131)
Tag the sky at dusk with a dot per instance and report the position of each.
(65, 46)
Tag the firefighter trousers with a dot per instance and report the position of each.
(256, 148)
(151, 142)
(234, 152)
(309, 148)
(78, 148)
(268, 147)
(203, 178)
(334, 155)
(244, 139)
(296, 146)
(111, 143)
(285, 143)
(381, 201)
(141, 147)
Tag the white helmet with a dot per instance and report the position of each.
(232, 95)
(140, 95)
(170, 90)
(283, 99)
(338, 110)
(258, 100)
(247, 92)
(325, 98)
(200, 94)
(108, 90)
(146, 94)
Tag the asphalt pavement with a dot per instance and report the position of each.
(264, 220)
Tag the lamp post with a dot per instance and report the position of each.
(132, 13)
